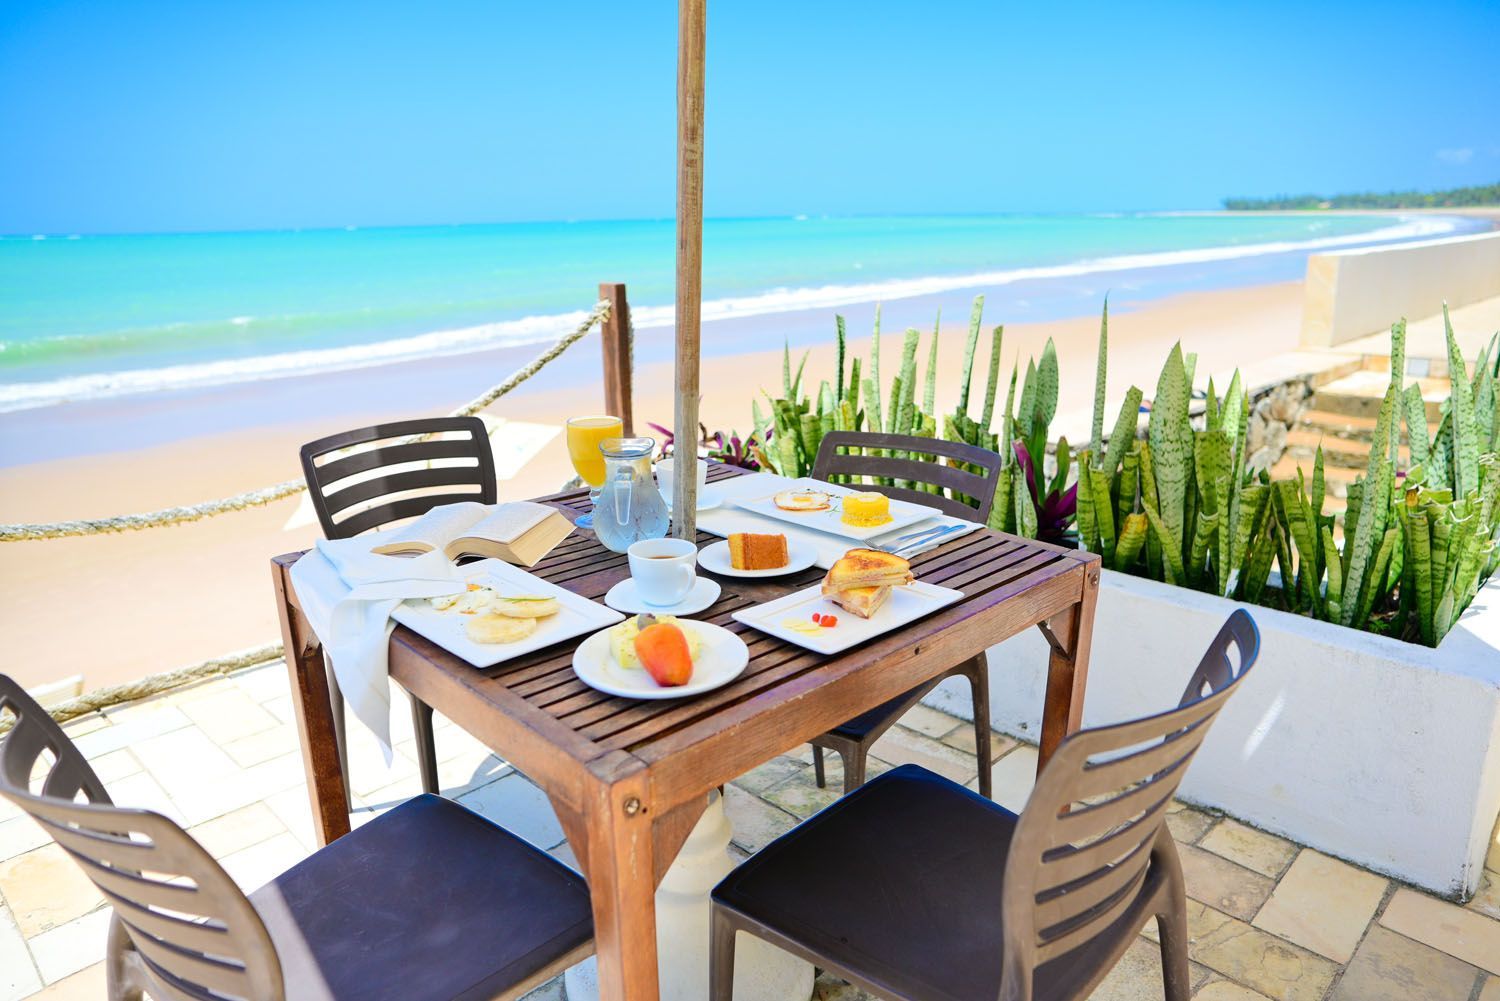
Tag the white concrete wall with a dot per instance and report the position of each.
(1380, 752)
(1353, 293)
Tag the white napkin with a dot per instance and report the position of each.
(348, 594)
(730, 517)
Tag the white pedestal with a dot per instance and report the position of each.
(762, 972)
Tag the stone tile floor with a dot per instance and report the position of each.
(1269, 918)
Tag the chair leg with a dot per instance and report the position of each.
(818, 775)
(120, 982)
(336, 705)
(721, 957)
(1172, 929)
(979, 681)
(854, 767)
(421, 723)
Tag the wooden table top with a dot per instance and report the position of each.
(1009, 584)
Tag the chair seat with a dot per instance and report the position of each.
(899, 882)
(427, 901)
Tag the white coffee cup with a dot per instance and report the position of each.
(666, 469)
(664, 570)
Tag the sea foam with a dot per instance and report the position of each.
(540, 329)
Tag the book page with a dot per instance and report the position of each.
(435, 529)
(509, 522)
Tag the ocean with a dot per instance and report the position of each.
(88, 317)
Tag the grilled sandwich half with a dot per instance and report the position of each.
(861, 581)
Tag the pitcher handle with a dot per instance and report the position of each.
(622, 489)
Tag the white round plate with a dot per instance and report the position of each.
(722, 658)
(623, 597)
(715, 559)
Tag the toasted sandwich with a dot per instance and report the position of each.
(867, 568)
(861, 581)
(861, 601)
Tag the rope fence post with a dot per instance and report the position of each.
(618, 362)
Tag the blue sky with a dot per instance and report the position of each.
(172, 116)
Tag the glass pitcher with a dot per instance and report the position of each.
(630, 507)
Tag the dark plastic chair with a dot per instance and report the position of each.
(851, 456)
(900, 888)
(378, 500)
(427, 902)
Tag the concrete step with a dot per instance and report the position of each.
(1360, 394)
(1349, 453)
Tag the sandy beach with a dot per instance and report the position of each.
(114, 608)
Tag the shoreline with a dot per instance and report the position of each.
(159, 599)
(768, 306)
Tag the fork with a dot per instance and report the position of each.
(918, 539)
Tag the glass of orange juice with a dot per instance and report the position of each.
(584, 436)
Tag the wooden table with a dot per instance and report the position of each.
(628, 778)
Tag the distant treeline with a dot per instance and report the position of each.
(1484, 194)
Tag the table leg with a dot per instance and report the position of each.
(1069, 634)
(314, 712)
(622, 880)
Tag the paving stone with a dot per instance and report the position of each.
(1188, 825)
(777, 770)
(829, 987)
(552, 990)
(203, 781)
(1323, 904)
(115, 765)
(1227, 990)
(518, 806)
(907, 747)
(1223, 885)
(1251, 957)
(18, 975)
(1390, 967)
(963, 739)
(87, 723)
(294, 810)
(65, 950)
(263, 683)
(564, 854)
(225, 713)
(1487, 898)
(756, 823)
(1013, 777)
(473, 768)
(1138, 975)
(931, 722)
(254, 867)
(279, 739)
(1467, 935)
(801, 796)
(1491, 990)
(1255, 850)
(142, 792)
(46, 889)
(87, 984)
(277, 775)
(129, 726)
(19, 835)
(237, 830)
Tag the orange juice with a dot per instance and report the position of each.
(584, 436)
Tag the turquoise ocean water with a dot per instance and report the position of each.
(86, 317)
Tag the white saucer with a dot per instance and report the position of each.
(623, 598)
(715, 559)
(704, 503)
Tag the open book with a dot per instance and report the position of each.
(518, 532)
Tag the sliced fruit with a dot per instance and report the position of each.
(664, 653)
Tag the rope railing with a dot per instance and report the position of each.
(289, 488)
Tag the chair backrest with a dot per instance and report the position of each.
(1080, 855)
(862, 454)
(195, 933)
(397, 477)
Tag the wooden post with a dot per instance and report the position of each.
(691, 17)
(618, 370)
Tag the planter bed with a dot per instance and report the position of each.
(1383, 753)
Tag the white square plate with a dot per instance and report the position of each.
(577, 616)
(832, 520)
(906, 604)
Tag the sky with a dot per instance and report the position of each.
(168, 116)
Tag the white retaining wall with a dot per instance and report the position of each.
(1380, 752)
(1353, 293)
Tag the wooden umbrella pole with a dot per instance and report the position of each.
(691, 16)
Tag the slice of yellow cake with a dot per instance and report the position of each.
(749, 551)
